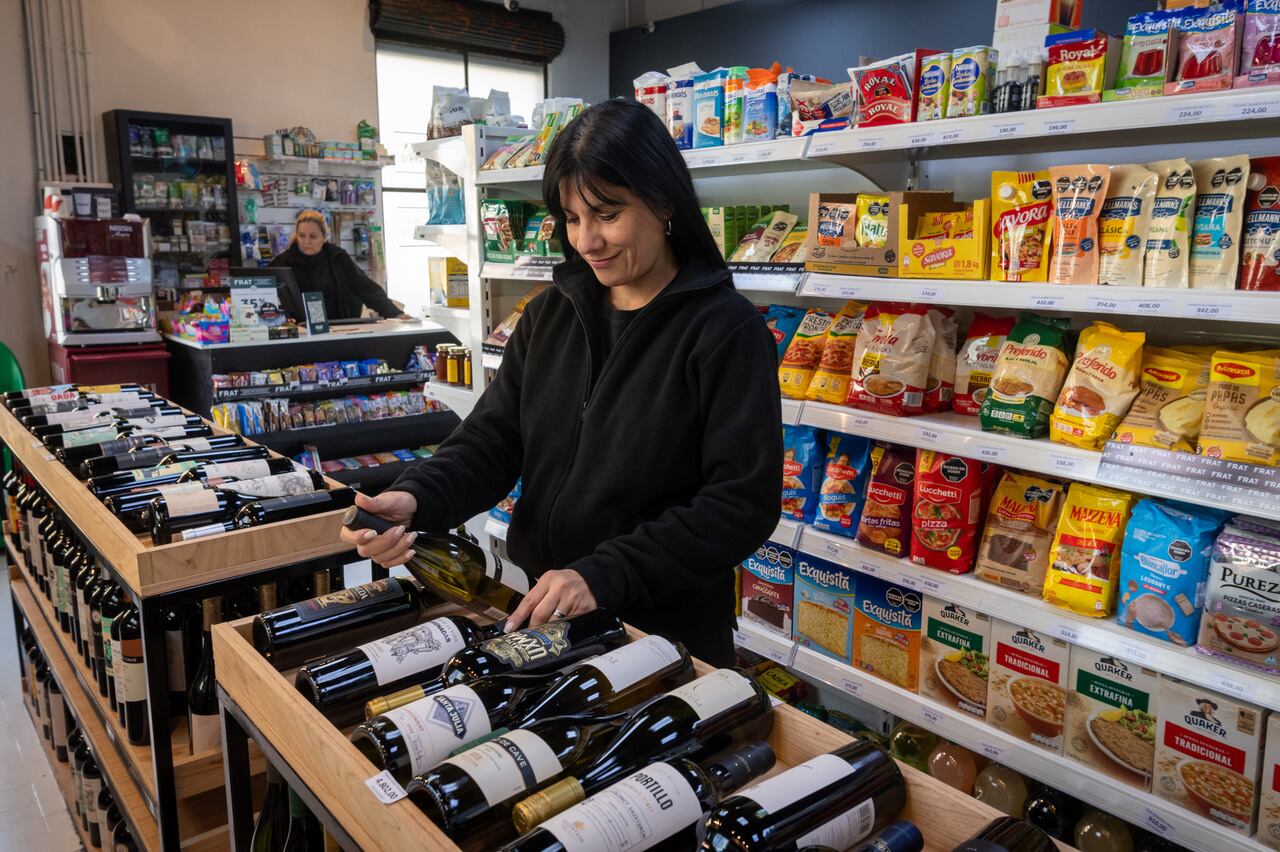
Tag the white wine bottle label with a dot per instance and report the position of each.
(91, 788)
(132, 682)
(84, 437)
(124, 398)
(60, 587)
(632, 663)
(175, 657)
(167, 491)
(196, 445)
(434, 726)
(85, 613)
(168, 433)
(117, 666)
(192, 502)
(70, 419)
(797, 782)
(206, 732)
(337, 602)
(59, 719)
(174, 469)
(280, 485)
(845, 830)
(712, 694)
(632, 815)
(508, 765)
(103, 829)
(247, 469)
(414, 650)
(158, 421)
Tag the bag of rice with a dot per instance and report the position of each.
(1084, 563)
(1123, 225)
(1020, 524)
(1028, 375)
(830, 382)
(1078, 192)
(1169, 236)
(1170, 402)
(804, 353)
(1221, 183)
(942, 361)
(891, 359)
(801, 472)
(1100, 387)
(844, 484)
(1242, 408)
(885, 524)
(977, 361)
(1021, 203)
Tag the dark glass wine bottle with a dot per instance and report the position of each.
(272, 827)
(1053, 812)
(133, 677)
(175, 656)
(109, 820)
(90, 785)
(79, 758)
(297, 838)
(290, 634)
(57, 721)
(720, 710)
(659, 806)
(158, 417)
(204, 724)
(32, 416)
(241, 470)
(67, 391)
(188, 506)
(85, 580)
(77, 453)
(105, 803)
(150, 453)
(94, 595)
(122, 838)
(1007, 834)
(42, 677)
(124, 481)
(112, 606)
(834, 799)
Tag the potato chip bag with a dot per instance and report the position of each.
(873, 220)
(1100, 387)
(1123, 225)
(1170, 402)
(804, 353)
(1078, 192)
(1021, 205)
(801, 472)
(1221, 184)
(844, 484)
(830, 382)
(1084, 562)
(1242, 408)
(1029, 372)
(1169, 237)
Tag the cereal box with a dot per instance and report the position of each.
(886, 632)
(1269, 807)
(1028, 693)
(1111, 716)
(1208, 753)
(767, 577)
(953, 656)
(823, 602)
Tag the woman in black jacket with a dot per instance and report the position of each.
(318, 264)
(637, 400)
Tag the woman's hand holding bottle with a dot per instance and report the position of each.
(392, 547)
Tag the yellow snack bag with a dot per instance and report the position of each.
(955, 226)
(1100, 386)
(873, 220)
(1021, 206)
(804, 353)
(1170, 403)
(1242, 408)
(831, 381)
(1084, 562)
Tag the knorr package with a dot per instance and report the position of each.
(873, 220)
(1016, 539)
(1029, 373)
(977, 361)
(831, 381)
(1123, 225)
(1021, 207)
(1169, 237)
(1242, 409)
(1170, 403)
(1260, 264)
(1221, 183)
(804, 353)
(1084, 564)
(1100, 387)
(1078, 192)
(891, 359)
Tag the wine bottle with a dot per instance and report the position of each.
(242, 470)
(339, 685)
(57, 721)
(109, 820)
(272, 509)
(1002, 788)
(41, 675)
(1053, 812)
(457, 570)
(82, 568)
(11, 482)
(175, 656)
(531, 649)
(272, 827)
(32, 416)
(112, 607)
(900, 836)
(1008, 834)
(85, 581)
(834, 799)
(145, 417)
(133, 677)
(79, 758)
(661, 805)
(122, 838)
(104, 804)
(103, 441)
(297, 839)
(204, 724)
(152, 453)
(299, 631)
(75, 741)
(94, 595)
(182, 507)
(717, 711)
(90, 786)
(1101, 832)
(69, 391)
(124, 481)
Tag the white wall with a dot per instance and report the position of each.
(582, 70)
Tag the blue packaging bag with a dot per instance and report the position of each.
(844, 484)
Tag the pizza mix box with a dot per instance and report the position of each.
(766, 579)
(1027, 695)
(886, 632)
(1111, 716)
(823, 606)
(953, 655)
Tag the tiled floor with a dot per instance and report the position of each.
(33, 814)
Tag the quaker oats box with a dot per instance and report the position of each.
(1111, 716)
(886, 632)
(823, 606)
(1209, 753)
(766, 580)
(953, 656)
(1269, 807)
(1027, 694)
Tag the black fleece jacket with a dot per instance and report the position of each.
(346, 288)
(652, 472)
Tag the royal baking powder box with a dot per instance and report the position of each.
(1111, 716)
(823, 606)
(886, 632)
(1027, 694)
(767, 576)
(954, 658)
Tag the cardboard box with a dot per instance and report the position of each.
(1021, 13)
(1269, 804)
(954, 658)
(823, 606)
(886, 632)
(1111, 716)
(938, 257)
(1027, 697)
(767, 577)
(847, 257)
(1208, 740)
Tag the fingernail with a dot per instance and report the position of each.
(413, 536)
(400, 530)
(507, 627)
(369, 535)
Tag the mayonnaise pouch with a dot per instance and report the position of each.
(1078, 192)
(1123, 224)
(1169, 237)
(1221, 183)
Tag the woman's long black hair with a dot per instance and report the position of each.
(623, 143)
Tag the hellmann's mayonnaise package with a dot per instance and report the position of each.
(1169, 237)
(1102, 383)
(1123, 225)
(1078, 192)
(1242, 409)
(1221, 185)
(1170, 403)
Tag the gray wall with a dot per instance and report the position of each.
(818, 36)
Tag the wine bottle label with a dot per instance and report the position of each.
(335, 603)
(53, 397)
(533, 644)
(89, 790)
(124, 398)
(415, 650)
(175, 469)
(634, 814)
(149, 422)
(85, 612)
(280, 485)
(103, 828)
(206, 732)
(187, 502)
(66, 419)
(107, 659)
(805, 779)
(117, 664)
(632, 663)
(167, 433)
(175, 654)
(250, 469)
(714, 693)
(84, 437)
(132, 682)
(845, 830)
(436, 725)
(507, 765)
(60, 587)
(195, 445)
(59, 719)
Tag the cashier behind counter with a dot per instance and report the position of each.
(319, 265)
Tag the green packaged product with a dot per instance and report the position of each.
(1029, 372)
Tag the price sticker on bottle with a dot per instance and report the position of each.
(1267, 109)
(852, 687)
(1107, 305)
(930, 717)
(1007, 131)
(1206, 310)
(1158, 824)
(1053, 127)
(385, 787)
(1189, 114)
(1068, 632)
(1045, 303)
(870, 143)
(986, 452)
(994, 752)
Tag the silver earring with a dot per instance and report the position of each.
(668, 227)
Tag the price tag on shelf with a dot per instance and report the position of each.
(1206, 310)
(1063, 464)
(313, 166)
(741, 640)
(1107, 305)
(818, 149)
(385, 787)
(911, 581)
(921, 140)
(950, 137)
(1158, 824)
(860, 422)
(1053, 127)
(1007, 131)
(1226, 684)
(933, 586)
(870, 568)
(712, 160)
(739, 158)
(928, 294)
(817, 288)
(765, 154)
(1266, 109)
(1068, 632)
(852, 687)
(932, 436)
(832, 548)
(1050, 303)
(870, 143)
(1134, 652)
(1189, 114)
(782, 658)
(989, 453)
(1149, 306)
(930, 717)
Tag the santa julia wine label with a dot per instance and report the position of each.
(433, 727)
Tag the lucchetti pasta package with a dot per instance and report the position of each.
(1170, 402)
(1242, 409)
(1084, 564)
(886, 515)
(891, 359)
(783, 320)
(802, 457)
(1078, 192)
(947, 515)
(1169, 237)
(1101, 385)
(1260, 264)
(1029, 372)
(977, 361)
(1123, 225)
(844, 484)
(804, 353)
(831, 381)
(1022, 204)
(1221, 183)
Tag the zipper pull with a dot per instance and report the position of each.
(583, 414)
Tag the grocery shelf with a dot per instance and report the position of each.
(442, 312)
(1210, 305)
(490, 361)
(787, 532)
(782, 154)
(64, 778)
(1144, 809)
(791, 409)
(450, 152)
(459, 399)
(528, 174)
(380, 382)
(515, 271)
(451, 238)
(328, 161)
(368, 431)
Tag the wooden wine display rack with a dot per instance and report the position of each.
(323, 767)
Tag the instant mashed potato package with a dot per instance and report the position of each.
(1242, 408)
(1100, 387)
(1170, 402)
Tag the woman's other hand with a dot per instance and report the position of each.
(557, 594)
(392, 547)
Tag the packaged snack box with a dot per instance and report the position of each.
(1111, 716)
(1080, 64)
(823, 604)
(972, 71)
(1269, 807)
(766, 578)
(844, 484)
(1242, 409)
(1208, 753)
(837, 247)
(953, 656)
(1084, 562)
(1028, 677)
(1242, 601)
(708, 108)
(887, 632)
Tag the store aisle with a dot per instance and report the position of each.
(33, 815)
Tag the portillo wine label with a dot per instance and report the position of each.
(414, 650)
(530, 645)
(434, 726)
(635, 813)
(335, 603)
(507, 765)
